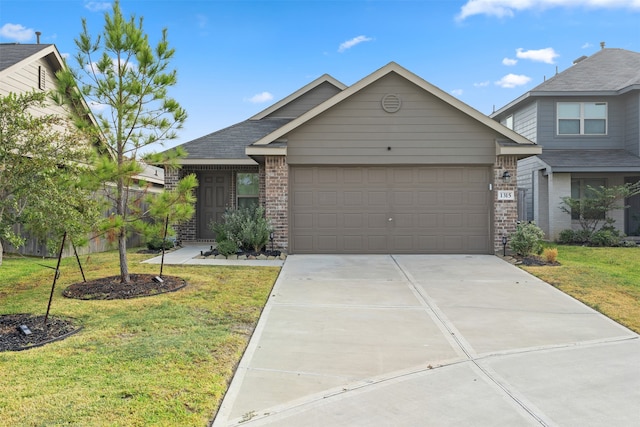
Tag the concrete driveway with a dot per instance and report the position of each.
(419, 340)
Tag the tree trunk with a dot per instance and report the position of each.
(122, 233)
(1, 252)
(122, 249)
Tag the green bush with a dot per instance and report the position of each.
(567, 237)
(247, 228)
(156, 243)
(527, 239)
(606, 237)
(227, 247)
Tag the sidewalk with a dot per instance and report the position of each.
(187, 254)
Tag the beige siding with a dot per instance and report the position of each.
(425, 130)
(26, 79)
(306, 102)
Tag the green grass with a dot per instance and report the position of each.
(607, 279)
(163, 360)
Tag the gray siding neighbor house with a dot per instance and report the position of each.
(391, 164)
(586, 119)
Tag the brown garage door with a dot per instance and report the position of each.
(389, 209)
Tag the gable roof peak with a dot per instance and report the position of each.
(325, 78)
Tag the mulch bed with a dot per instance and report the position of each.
(12, 339)
(110, 288)
(106, 288)
(535, 261)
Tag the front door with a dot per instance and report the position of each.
(213, 198)
(632, 214)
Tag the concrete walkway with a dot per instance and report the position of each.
(430, 341)
(187, 254)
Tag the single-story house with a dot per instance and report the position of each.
(391, 164)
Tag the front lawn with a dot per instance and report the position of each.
(607, 279)
(161, 360)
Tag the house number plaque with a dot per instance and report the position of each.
(506, 195)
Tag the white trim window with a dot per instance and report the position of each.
(247, 189)
(582, 118)
(580, 190)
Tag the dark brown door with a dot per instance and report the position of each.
(632, 215)
(213, 199)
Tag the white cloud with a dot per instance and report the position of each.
(457, 92)
(482, 84)
(509, 62)
(354, 41)
(16, 32)
(512, 80)
(96, 107)
(97, 6)
(507, 8)
(202, 20)
(586, 45)
(546, 55)
(260, 98)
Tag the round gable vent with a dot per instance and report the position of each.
(391, 103)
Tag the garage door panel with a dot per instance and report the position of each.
(327, 220)
(327, 176)
(377, 198)
(353, 198)
(348, 209)
(328, 243)
(377, 220)
(377, 244)
(353, 220)
(451, 198)
(478, 198)
(353, 244)
(453, 221)
(403, 198)
(302, 198)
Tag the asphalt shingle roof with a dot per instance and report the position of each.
(605, 70)
(12, 53)
(230, 143)
(585, 160)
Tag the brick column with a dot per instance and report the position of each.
(505, 215)
(276, 198)
(187, 230)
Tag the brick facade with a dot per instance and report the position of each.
(276, 180)
(187, 231)
(505, 213)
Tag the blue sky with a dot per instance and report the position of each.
(235, 58)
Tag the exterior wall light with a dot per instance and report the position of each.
(506, 177)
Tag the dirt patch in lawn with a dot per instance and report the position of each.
(12, 338)
(110, 288)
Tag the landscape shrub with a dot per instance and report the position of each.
(247, 228)
(156, 243)
(567, 237)
(527, 239)
(550, 255)
(227, 247)
(604, 237)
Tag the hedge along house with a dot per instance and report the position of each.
(391, 164)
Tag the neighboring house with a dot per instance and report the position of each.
(28, 67)
(391, 164)
(587, 120)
